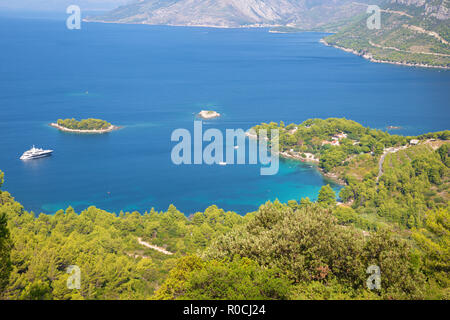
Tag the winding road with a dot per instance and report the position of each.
(407, 51)
(385, 153)
(380, 166)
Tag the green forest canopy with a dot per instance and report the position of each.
(85, 124)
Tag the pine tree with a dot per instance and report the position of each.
(327, 195)
(5, 247)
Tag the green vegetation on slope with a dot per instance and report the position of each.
(85, 124)
(315, 136)
(414, 181)
(434, 240)
(413, 178)
(234, 279)
(5, 245)
(309, 245)
(408, 34)
(105, 247)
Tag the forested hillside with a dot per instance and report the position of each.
(411, 33)
(105, 246)
(385, 176)
(231, 13)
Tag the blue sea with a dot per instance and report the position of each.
(154, 79)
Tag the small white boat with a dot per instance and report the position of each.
(222, 163)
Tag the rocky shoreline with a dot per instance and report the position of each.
(368, 56)
(111, 128)
(310, 158)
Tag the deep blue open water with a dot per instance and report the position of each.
(152, 80)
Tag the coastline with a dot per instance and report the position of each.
(286, 155)
(368, 56)
(309, 159)
(250, 26)
(331, 176)
(61, 128)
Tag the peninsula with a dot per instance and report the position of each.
(344, 150)
(207, 114)
(84, 126)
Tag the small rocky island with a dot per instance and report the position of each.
(208, 114)
(84, 126)
(394, 127)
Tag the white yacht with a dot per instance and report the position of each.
(35, 153)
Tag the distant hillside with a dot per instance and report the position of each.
(304, 14)
(413, 32)
(61, 5)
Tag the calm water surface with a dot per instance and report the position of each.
(152, 80)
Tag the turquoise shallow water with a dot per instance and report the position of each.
(152, 80)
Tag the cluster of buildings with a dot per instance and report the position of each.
(335, 139)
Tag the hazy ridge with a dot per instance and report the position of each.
(303, 14)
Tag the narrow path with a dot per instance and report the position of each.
(413, 28)
(428, 32)
(151, 246)
(407, 51)
(380, 166)
(401, 13)
(385, 153)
